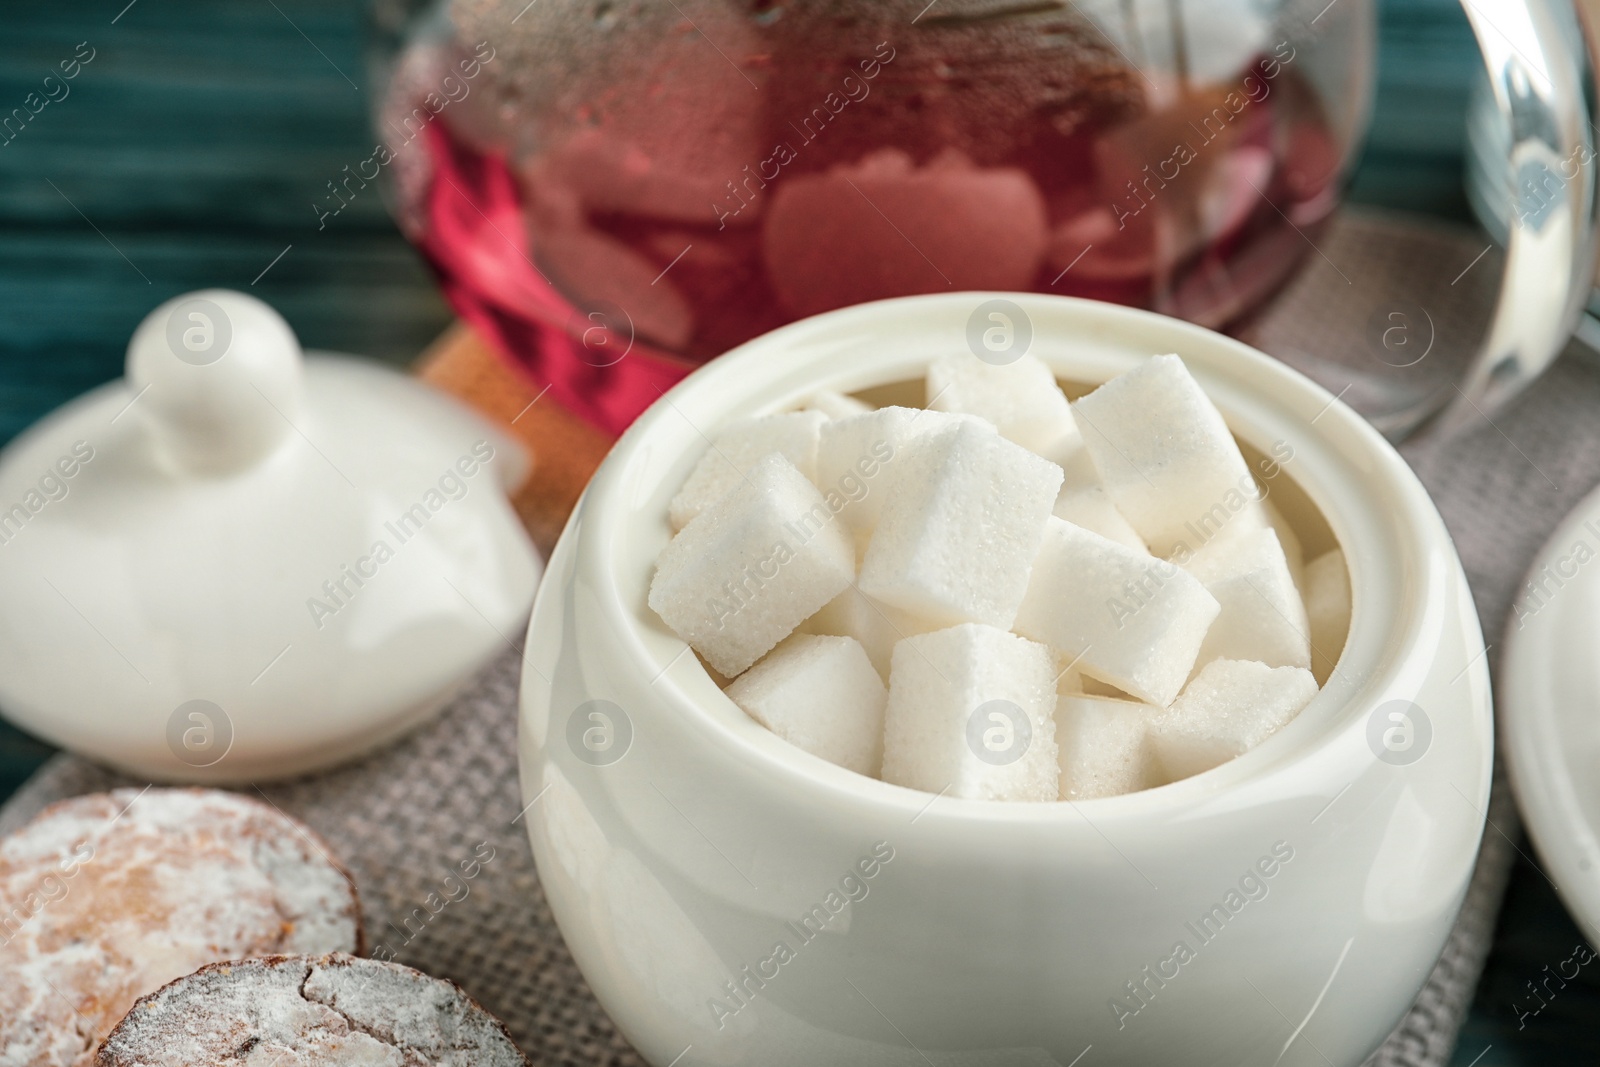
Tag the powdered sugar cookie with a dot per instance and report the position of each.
(104, 898)
(301, 1010)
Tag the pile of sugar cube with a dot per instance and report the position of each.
(1002, 595)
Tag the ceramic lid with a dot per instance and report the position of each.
(239, 563)
(1549, 709)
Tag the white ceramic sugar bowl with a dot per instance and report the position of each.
(237, 564)
(733, 900)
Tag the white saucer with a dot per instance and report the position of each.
(1550, 708)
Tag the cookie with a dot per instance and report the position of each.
(105, 898)
(301, 1010)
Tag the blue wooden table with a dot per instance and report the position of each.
(189, 151)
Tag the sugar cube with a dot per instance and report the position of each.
(876, 625)
(960, 528)
(1069, 679)
(1131, 620)
(736, 449)
(835, 405)
(1288, 540)
(1262, 617)
(1104, 747)
(1090, 507)
(1328, 609)
(971, 714)
(1020, 398)
(820, 694)
(860, 457)
(749, 569)
(1230, 707)
(1164, 453)
(1093, 687)
(1221, 524)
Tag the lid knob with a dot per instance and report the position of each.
(218, 379)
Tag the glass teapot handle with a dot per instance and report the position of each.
(1539, 58)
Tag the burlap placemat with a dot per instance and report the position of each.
(402, 820)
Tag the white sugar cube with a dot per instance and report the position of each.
(835, 405)
(960, 528)
(1164, 453)
(971, 714)
(1328, 610)
(1104, 747)
(1095, 688)
(876, 625)
(1230, 707)
(820, 694)
(1079, 473)
(1131, 620)
(736, 449)
(1288, 540)
(740, 577)
(1262, 617)
(1090, 507)
(1234, 518)
(1071, 681)
(860, 457)
(1020, 398)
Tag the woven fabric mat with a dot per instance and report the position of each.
(403, 819)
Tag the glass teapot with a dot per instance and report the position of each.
(1530, 177)
(615, 190)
